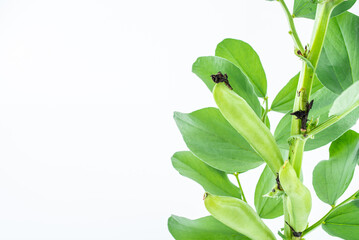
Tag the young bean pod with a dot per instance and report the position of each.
(299, 201)
(242, 117)
(238, 215)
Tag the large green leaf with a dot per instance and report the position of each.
(346, 101)
(323, 100)
(332, 177)
(343, 222)
(206, 228)
(338, 66)
(267, 207)
(284, 100)
(213, 140)
(308, 8)
(211, 179)
(204, 67)
(247, 60)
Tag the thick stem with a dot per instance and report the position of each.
(305, 82)
(293, 31)
(324, 10)
(304, 88)
(296, 153)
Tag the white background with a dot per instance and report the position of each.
(87, 91)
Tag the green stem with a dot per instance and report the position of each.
(296, 153)
(305, 82)
(293, 31)
(265, 111)
(324, 10)
(304, 88)
(319, 222)
(287, 230)
(330, 121)
(240, 187)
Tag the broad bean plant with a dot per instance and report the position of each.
(320, 106)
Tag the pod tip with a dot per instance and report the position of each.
(285, 163)
(219, 77)
(205, 195)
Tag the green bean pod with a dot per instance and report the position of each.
(299, 202)
(238, 215)
(242, 117)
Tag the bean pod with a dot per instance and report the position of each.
(299, 201)
(242, 117)
(238, 215)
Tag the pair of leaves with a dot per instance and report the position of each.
(212, 139)
(332, 177)
(211, 179)
(204, 67)
(203, 228)
(242, 65)
(247, 60)
(343, 222)
(308, 8)
(338, 66)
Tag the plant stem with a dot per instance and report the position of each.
(319, 222)
(295, 156)
(293, 31)
(287, 230)
(265, 111)
(304, 87)
(240, 187)
(296, 148)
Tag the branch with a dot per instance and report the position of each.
(330, 121)
(293, 31)
(240, 187)
(319, 222)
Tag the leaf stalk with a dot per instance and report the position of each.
(320, 221)
(240, 187)
(332, 120)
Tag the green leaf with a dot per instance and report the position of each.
(323, 100)
(308, 8)
(267, 207)
(346, 101)
(247, 60)
(343, 222)
(305, 8)
(338, 67)
(332, 177)
(204, 67)
(211, 179)
(284, 100)
(213, 140)
(206, 228)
